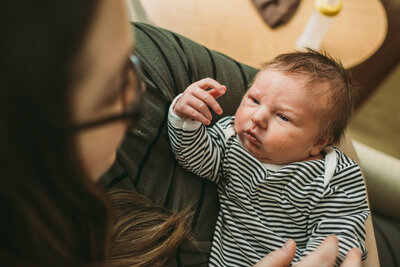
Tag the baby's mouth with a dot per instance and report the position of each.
(251, 137)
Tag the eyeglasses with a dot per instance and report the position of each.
(131, 109)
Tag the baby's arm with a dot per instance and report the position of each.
(343, 212)
(196, 148)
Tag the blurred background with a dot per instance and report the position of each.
(377, 120)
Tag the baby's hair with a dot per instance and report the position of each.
(337, 100)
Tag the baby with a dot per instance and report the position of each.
(278, 175)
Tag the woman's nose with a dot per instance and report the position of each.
(260, 118)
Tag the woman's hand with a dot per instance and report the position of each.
(196, 99)
(323, 256)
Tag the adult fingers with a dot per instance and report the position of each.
(279, 258)
(353, 258)
(323, 256)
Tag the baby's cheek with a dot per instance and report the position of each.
(238, 123)
(272, 140)
(236, 126)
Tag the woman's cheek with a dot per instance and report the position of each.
(98, 147)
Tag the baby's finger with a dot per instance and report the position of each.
(192, 113)
(208, 99)
(217, 93)
(209, 83)
(200, 106)
(216, 89)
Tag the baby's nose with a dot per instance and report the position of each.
(260, 119)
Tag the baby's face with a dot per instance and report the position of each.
(275, 120)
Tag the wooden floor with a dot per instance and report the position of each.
(377, 122)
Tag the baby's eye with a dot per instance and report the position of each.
(255, 101)
(283, 117)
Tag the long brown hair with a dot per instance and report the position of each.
(150, 233)
(51, 212)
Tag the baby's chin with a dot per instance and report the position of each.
(258, 152)
(253, 149)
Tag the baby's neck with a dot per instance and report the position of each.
(320, 156)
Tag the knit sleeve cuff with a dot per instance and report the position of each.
(178, 122)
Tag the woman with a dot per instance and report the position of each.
(59, 75)
(68, 87)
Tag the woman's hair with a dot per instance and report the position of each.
(52, 212)
(327, 79)
(149, 232)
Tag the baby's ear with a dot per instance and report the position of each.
(320, 144)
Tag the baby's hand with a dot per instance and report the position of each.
(194, 102)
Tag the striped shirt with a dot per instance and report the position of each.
(262, 206)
